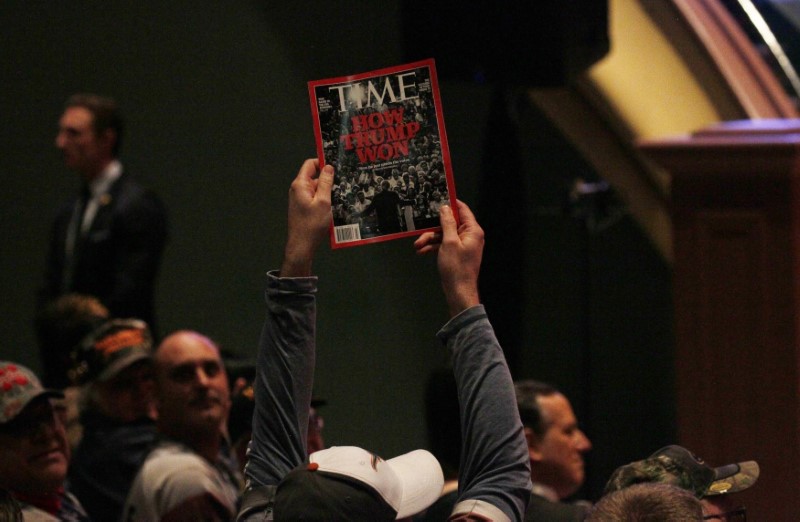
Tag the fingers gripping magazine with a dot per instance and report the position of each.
(383, 132)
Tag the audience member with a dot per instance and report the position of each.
(678, 466)
(108, 241)
(240, 423)
(555, 446)
(647, 502)
(240, 374)
(34, 454)
(189, 474)
(10, 510)
(315, 442)
(60, 326)
(117, 413)
(349, 483)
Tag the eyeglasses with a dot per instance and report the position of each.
(737, 515)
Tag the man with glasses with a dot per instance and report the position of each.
(678, 466)
(34, 454)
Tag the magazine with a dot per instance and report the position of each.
(383, 132)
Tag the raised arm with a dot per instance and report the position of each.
(285, 365)
(494, 474)
(309, 217)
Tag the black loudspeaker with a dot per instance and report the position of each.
(534, 43)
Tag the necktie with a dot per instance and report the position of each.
(73, 240)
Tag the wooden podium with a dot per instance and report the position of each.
(736, 219)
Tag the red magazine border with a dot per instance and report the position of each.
(446, 160)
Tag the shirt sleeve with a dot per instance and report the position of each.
(284, 380)
(495, 467)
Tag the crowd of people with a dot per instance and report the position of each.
(376, 203)
(418, 182)
(130, 427)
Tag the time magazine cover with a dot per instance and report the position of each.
(383, 132)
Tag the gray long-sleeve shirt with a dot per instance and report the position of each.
(495, 474)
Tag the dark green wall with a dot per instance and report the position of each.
(578, 296)
(218, 123)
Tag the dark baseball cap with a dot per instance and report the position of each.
(110, 348)
(678, 466)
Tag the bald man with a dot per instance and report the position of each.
(187, 475)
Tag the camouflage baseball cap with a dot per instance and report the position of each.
(109, 349)
(680, 467)
(18, 387)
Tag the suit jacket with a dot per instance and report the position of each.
(386, 205)
(542, 509)
(118, 258)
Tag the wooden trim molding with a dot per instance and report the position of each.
(752, 82)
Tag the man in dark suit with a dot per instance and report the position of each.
(108, 241)
(555, 446)
(386, 205)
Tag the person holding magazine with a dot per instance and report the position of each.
(350, 483)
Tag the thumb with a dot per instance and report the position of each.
(325, 181)
(448, 222)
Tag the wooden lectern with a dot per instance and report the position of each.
(736, 219)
